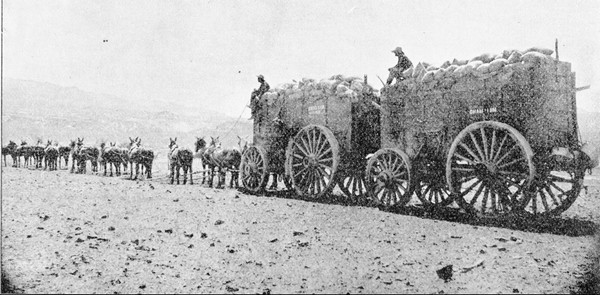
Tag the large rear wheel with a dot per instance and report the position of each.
(489, 168)
(312, 159)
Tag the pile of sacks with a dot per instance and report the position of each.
(479, 66)
(346, 88)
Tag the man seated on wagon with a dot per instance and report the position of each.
(257, 93)
(403, 64)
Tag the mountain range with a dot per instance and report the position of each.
(35, 110)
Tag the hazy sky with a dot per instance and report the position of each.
(209, 52)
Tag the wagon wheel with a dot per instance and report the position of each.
(312, 160)
(553, 191)
(388, 178)
(431, 187)
(489, 168)
(353, 185)
(253, 169)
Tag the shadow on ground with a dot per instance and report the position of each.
(565, 226)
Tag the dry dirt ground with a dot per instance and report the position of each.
(68, 233)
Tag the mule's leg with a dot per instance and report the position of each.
(185, 168)
(172, 174)
(191, 173)
(221, 178)
(149, 169)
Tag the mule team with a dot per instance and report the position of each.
(215, 159)
(49, 156)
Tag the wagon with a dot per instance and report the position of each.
(493, 140)
(316, 134)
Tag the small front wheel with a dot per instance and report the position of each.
(388, 178)
(253, 169)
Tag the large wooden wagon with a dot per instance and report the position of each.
(315, 133)
(495, 140)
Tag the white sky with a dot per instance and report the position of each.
(209, 52)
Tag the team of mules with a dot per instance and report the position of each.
(40, 155)
(216, 160)
(51, 155)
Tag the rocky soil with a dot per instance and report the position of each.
(67, 233)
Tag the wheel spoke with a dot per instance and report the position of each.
(477, 193)
(491, 154)
(557, 187)
(549, 190)
(556, 178)
(544, 201)
(485, 143)
(511, 162)
(306, 145)
(325, 160)
(324, 153)
(301, 172)
(466, 148)
(467, 190)
(500, 147)
(484, 201)
(313, 140)
(464, 158)
(476, 145)
(301, 149)
(514, 147)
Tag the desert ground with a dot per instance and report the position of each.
(74, 233)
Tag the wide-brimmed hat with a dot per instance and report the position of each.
(261, 77)
(398, 50)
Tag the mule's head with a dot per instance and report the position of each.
(11, 145)
(72, 144)
(23, 143)
(200, 143)
(173, 142)
(242, 144)
(79, 141)
(133, 142)
(49, 143)
(214, 142)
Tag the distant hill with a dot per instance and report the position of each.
(33, 110)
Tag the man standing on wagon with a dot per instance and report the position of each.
(256, 94)
(397, 70)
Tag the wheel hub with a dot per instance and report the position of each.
(386, 178)
(487, 169)
(310, 161)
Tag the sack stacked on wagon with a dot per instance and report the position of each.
(499, 66)
(287, 102)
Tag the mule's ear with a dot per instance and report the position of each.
(175, 139)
